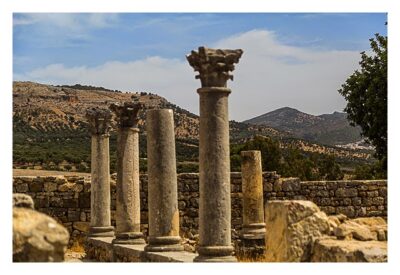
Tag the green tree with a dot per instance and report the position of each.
(366, 94)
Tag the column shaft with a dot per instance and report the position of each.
(215, 202)
(252, 190)
(128, 194)
(100, 217)
(162, 182)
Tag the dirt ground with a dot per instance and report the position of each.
(31, 172)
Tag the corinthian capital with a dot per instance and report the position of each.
(127, 113)
(99, 121)
(214, 65)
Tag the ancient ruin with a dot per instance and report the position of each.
(223, 216)
(127, 230)
(100, 222)
(214, 163)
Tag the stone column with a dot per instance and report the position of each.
(100, 201)
(162, 182)
(252, 190)
(127, 216)
(215, 202)
(252, 241)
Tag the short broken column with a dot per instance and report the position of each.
(162, 182)
(252, 190)
(127, 216)
(100, 200)
(214, 163)
(252, 243)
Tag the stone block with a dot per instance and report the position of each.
(291, 229)
(37, 237)
(322, 193)
(81, 226)
(23, 200)
(349, 211)
(347, 201)
(383, 192)
(378, 201)
(331, 250)
(367, 201)
(55, 202)
(331, 185)
(50, 186)
(356, 201)
(83, 217)
(291, 184)
(84, 200)
(22, 188)
(268, 187)
(36, 186)
(346, 192)
(325, 202)
(70, 203)
(181, 205)
(73, 215)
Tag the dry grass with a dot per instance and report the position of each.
(244, 258)
(78, 245)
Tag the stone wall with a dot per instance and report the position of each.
(67, 198)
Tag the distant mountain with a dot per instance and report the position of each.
(329, 129)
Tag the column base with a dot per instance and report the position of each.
(164, 244)
(210, 259)
(101, 231)
(215, 254)
(253, 231)
(129, 238)
(250, 249)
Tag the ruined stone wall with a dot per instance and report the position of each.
(67, 198)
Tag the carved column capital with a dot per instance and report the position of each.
(214, 65)
(99, 121)
(126, 114)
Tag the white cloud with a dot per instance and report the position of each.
(269, 75)
(66, 21)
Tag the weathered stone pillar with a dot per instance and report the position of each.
(252, 241)
(100, 201)
(215, 202)
(127, 216)
(162, 182)
(252, 190)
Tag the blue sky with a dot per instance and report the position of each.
(290, 59)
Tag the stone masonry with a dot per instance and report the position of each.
(67, 198)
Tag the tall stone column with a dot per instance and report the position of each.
(252, 190)
(162, 182)
(100, 201)
(127, 216)
(215, 202)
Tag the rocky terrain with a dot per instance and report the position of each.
(49, 126)
(329, 129)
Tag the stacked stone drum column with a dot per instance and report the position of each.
(100, 201)
(253, 229)
(162, 182)
(215, 202)
(127, 216)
